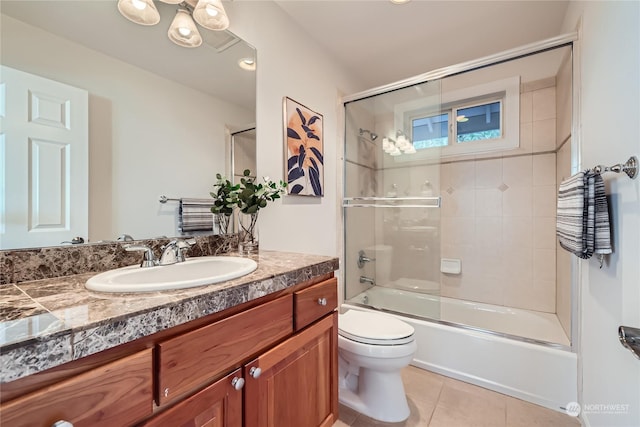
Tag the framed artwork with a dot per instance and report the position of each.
(304, 149)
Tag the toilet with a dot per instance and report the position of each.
(372, 350)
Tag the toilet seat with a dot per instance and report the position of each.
(374, 329)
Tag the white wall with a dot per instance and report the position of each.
(610, 103)
(291, 64)
(148, 135)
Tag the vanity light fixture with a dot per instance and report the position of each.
(209, 14)
(183, 31)
(141, 12)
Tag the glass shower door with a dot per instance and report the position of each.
(391, 202)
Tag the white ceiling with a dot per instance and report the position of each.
(374, 40)
(380, 42)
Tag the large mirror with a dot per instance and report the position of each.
(159, 118)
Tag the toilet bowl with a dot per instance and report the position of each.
(372, 350)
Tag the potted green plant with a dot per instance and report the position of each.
(225, 199)
(251, 198)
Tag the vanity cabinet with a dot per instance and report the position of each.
(291, 384)
(268, 362)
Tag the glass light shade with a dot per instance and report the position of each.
(141, 12)
(211, 14)
(172, 1)
(183, 31)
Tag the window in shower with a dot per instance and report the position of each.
(431, 131)
(473, 122)
(478, 122)
(473, 119)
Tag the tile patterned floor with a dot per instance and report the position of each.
(438, 401)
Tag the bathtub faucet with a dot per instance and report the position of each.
(362, 258)
(364, 279)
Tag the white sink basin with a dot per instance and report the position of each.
(193, 272)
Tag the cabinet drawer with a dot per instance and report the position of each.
(191, 359)
(312, 303)
(219, 404)
(118, 393)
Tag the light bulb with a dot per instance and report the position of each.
(212, 11)
(140, 5)
(184, 31)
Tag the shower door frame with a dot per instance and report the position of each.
(568, 39)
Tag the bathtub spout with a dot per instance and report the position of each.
(364, 279)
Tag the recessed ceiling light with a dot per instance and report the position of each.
(399, 1)
(247, 64)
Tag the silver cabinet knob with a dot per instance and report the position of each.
(237, 383)
(255, 372)
(322, 301)
(62, 423)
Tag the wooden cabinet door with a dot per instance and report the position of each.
(218, 405)
(116, 394)
(297, 385)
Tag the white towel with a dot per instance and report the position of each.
(195, 215)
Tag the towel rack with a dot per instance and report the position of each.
(630, 167)
(165, 199)
(391, 202)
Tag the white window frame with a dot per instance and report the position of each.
(507, 90)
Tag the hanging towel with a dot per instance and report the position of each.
(602, 225)
(583, 216)
(571, 216)
(195, 215)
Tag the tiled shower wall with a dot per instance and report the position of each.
(498, 214)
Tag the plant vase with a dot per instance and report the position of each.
(223, 221)
(248, 233)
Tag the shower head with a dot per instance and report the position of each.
(371, 134)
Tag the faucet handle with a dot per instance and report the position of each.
(182, 245)
(185, 244)
(172, 251)
(148, 259)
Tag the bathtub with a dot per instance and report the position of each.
(515, 352)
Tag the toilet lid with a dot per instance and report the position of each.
(373, 328)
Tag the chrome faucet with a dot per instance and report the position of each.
(362, 258)
(172, 252)
(369, 280)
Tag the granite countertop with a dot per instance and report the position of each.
(45, 323)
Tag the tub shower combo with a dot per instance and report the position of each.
(449, 216)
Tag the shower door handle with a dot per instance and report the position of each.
(630, 339)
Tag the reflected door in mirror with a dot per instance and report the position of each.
(45, 148)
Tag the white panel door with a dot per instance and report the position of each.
(44, 148)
